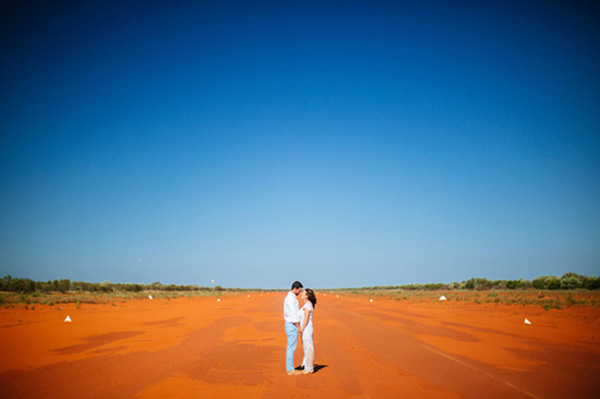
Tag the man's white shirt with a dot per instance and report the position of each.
(290, 309)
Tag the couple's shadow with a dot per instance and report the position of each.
(316, 368)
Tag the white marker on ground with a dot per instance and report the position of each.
(68, 319)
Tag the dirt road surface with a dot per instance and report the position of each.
(235, 348)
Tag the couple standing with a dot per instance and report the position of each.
(299, 321)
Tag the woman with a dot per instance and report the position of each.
(306, 329)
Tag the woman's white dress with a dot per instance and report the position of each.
(307, 338)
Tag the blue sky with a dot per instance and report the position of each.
(338, 143)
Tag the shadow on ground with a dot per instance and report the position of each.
(316, 369)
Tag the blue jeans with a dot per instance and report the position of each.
(292, 341)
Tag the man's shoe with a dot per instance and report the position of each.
(295, 372)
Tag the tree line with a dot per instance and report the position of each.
(25, 285)
(567, 281)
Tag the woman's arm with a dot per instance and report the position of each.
(305, 321)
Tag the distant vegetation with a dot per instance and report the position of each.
(27, 291)
(549, 292)
(568, 281)
(27, 286)
(546, 299)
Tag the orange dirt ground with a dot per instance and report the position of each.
(235, 348)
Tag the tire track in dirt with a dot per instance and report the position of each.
(439, 369)
(395, 341)
(399, 364)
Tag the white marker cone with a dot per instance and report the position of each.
(68, 319)
(527, 321)
(150, 296)
(443, 298)
(371, 300)
(218, 299)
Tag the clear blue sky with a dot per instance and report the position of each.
(338, 143)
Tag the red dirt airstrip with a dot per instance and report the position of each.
(235, 348)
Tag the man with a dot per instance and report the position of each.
(292, 326)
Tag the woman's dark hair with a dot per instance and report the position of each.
(310, 295)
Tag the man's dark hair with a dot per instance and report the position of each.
(296, 285)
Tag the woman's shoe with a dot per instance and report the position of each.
(308, 371)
